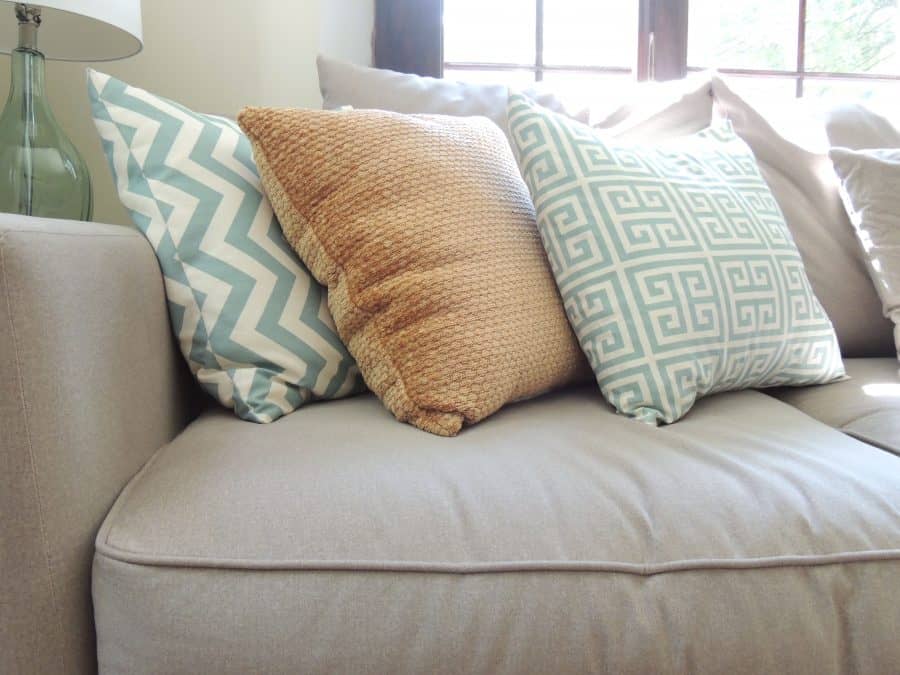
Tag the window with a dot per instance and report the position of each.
(803, 47)
(567, 42)
(779, 47)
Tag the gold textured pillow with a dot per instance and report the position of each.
(424, 233)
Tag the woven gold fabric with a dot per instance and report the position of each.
(424, 233)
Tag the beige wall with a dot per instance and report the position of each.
(213, 56)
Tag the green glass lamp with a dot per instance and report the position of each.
(41, 171)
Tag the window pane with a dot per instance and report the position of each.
(590, 32)
(489, 31)
(756, 34)
(519, 79)
(852, 36)
(760, 89)
(580, 90)
(843, 90)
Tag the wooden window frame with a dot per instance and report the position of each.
(409, 37)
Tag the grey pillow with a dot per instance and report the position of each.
(871, 189)
(345, 84)
(808, 193)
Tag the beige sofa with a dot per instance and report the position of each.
(751, 537)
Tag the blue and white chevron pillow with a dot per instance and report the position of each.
(676, 267)
(252, 323)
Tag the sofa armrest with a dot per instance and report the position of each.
(91, 384)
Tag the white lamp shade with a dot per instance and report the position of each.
(79, 30)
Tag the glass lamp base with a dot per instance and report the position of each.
(44, 180)
(41, 171)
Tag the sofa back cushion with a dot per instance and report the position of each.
(347, 84)
(647, 110)
(866, 156)
(871, 181)
(654, 111)
(808, 192)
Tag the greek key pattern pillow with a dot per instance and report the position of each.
(674, 262)
(251, 321)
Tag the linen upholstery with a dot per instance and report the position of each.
(675, 265)
(867, 406)
(558, 537)
(423, 232)
(251, 321)
(808, 192)
(90, 386)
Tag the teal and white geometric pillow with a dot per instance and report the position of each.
(251, 321)
(674, 262)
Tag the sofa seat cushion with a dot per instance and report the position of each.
(866, 406)
(557, 537)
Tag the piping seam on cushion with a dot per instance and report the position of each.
(494, 567)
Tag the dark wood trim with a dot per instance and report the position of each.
(670, 33)
(408, 36)
(539, 40)
(479, 65)
(801, 46)
(644, 66)
(794, 74)
(662, 39)
(821, 75)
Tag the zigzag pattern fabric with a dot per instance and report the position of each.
(674, 262)
(251, 321)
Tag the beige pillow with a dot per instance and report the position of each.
(424, 233)
(808, 192)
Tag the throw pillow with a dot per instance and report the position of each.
(808, 194)
(871, 182)
(252, 323)
(677, 271)
(422, 230)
